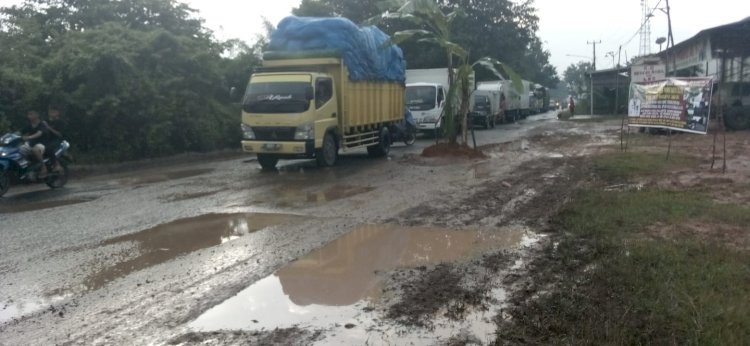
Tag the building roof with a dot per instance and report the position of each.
(727, 36)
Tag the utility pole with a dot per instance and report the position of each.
(591, 75)
(670, 39)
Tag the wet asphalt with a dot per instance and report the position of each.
(139, 257)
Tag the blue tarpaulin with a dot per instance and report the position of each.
(362, 48)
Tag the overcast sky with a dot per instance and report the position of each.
(565, 26)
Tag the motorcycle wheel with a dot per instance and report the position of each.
(410, 137)
(58, 180)
(4, 182)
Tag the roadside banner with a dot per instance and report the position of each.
(680, 104)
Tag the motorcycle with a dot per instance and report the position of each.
(13, 164)
(405, 130)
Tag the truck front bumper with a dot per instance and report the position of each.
(427, 126)
(293, 149)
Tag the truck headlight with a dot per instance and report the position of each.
(247, 132)
(304, 132)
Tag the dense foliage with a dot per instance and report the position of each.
(145, 78)
(502, 29)
(134, 78)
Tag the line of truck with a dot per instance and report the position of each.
(316, 96)
(491, 102)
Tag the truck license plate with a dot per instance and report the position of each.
(271, 146)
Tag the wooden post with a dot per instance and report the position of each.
(669, 147)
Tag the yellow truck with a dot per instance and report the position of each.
(309, 108)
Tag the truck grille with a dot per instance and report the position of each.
(274, 133)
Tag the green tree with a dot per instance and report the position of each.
(135, 78)
(504, 29)
(433, 26)
(576, 77)
(313, 8)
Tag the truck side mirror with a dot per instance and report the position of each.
(232, 93)
(309, 93)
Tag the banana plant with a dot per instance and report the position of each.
(433, 26)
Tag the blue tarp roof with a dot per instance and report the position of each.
(362, 48)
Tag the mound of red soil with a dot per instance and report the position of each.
(452, 150)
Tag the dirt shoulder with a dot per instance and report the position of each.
(647, 251)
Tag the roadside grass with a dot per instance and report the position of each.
(604, 280)
(626, 166)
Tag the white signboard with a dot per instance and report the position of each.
(647, 73)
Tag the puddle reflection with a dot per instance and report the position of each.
(170, 240)
(333, 283)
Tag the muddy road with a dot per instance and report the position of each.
(390, 251)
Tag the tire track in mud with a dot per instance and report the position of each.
(528, 196)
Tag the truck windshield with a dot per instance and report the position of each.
(420, 98)
(481, 103)
(276, 97)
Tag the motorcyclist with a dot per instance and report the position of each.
(56, 126)
(35, 135)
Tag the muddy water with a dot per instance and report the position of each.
(160, 177)
(18, 207)
(170, 240)
(332, 284)
(290, 195)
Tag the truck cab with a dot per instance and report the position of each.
(282, 113)
(426, 102)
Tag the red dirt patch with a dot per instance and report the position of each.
(453, 150)
(737, 237)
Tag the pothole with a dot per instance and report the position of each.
(338, 284)
(288, 196)
(170, 240)
(161, 177)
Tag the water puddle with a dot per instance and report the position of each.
(332, 285)
(293, 195)
(11, 309)
(161, 177)
(176, 197)
(170, 240)
(19, 207)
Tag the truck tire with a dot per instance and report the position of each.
(268, 162)
(736, 118)
(329, 153)
(384, 144)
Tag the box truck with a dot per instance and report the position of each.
(310, 108)
(426, 91)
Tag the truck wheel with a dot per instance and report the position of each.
(268, 162)
(327, 155)
(4, 182)
(736, 119)
(384, 144)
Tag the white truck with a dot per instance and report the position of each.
(426, 91)
(485, 108)
(516, 103)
